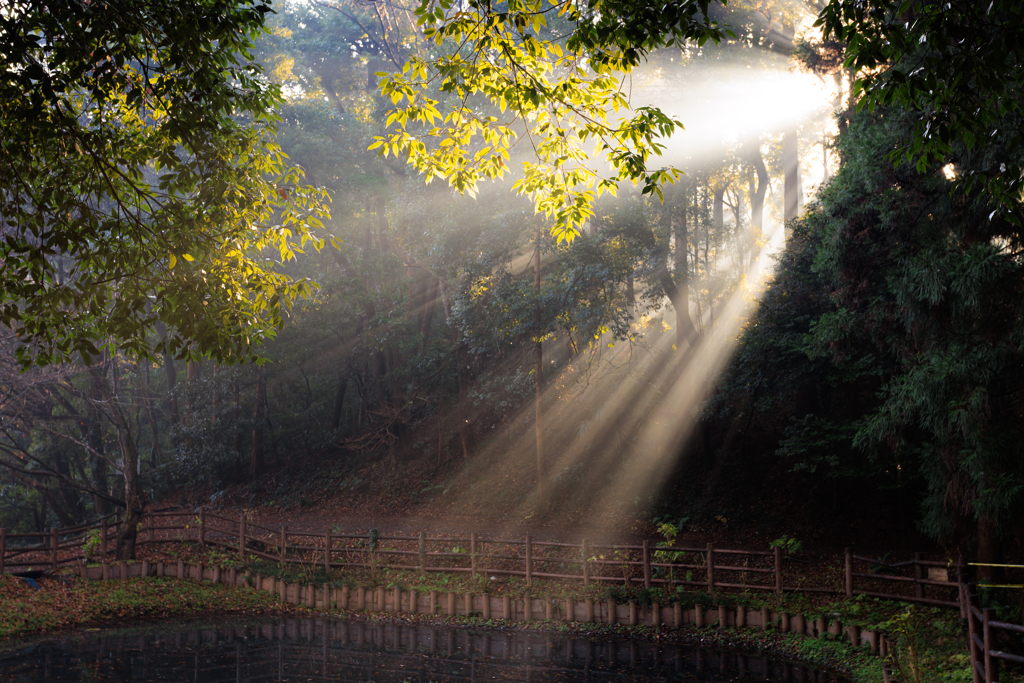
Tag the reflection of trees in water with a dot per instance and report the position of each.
(320, 650)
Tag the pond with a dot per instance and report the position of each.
(326, 650)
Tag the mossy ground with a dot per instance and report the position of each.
(65, 603)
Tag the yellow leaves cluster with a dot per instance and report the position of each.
(507, 61)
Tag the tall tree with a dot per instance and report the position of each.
(140, 181)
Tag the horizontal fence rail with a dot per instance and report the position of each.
(645, 565)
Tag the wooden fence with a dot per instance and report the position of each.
(649, 565)
(982, 629)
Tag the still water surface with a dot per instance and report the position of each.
(325, 650)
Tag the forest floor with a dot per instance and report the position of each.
(59, 603)
(498, 500)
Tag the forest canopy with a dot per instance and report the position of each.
(154, 210)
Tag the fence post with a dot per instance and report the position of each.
(964, 611)
(849, 573)
(284, 543)
(472, 557)
(778, 570)
(423, 553)
(103, 539)
(972, 636)
(918, 586)
(711, 569)
(241, 537)
(586, 565)
(991, 672)
(529, 560)
(151, 528)
(202, 527)
(53, 548)
(647, 564)
(327, 553)
(3, 549)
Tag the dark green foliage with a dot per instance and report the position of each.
(957, 68)
(894, 327)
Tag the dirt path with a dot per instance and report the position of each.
(317, 521)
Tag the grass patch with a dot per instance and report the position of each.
(70, 602)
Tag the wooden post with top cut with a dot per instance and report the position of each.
(327, 551)
(778, 570)
(529, 560)
(918, 576)
(711, 569)
(972, 638)
(849, 573)
(423, 553)
(472, 556)
(991, 670)
(241, 537)
(647, 564)
(586, 565)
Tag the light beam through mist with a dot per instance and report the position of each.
(616, 421)
(723, 105)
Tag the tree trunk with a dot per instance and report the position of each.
(676, 285)
(718, 211)
(66, 502)
(791, 163)
(155, 453)
(988, 550)
(193, 371)
(463, 414)
(431, 290)
(538, 370)
(192, 374)
(239, 461)
(40, 516)
(172, 376)
(257, 462)
(339, 400)
(134, 496)
(98, 468)
(685, 329)
(757, 198)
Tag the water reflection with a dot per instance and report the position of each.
(324, 650)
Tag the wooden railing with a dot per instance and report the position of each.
(649, 565)
(981, 632)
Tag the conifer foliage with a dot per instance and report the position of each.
(899, 306)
